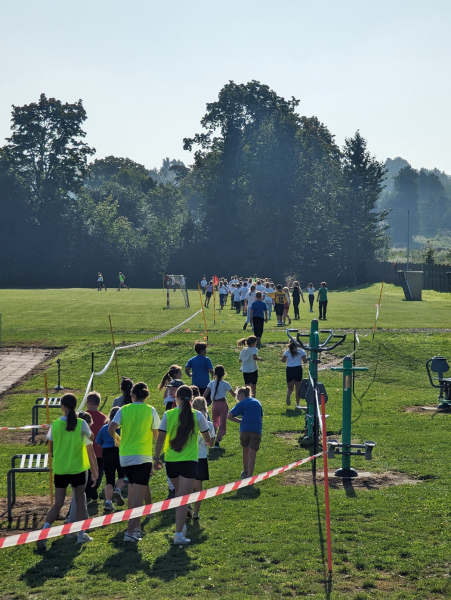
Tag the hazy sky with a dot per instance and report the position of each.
(145, 69)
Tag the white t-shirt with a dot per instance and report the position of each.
(223, 388)
(237, 294)
(268, 291)
(250, 297)
(260, 288)
(243, 291)
(311, 291)
(249, 365)
(201, 442)
(295, 361)
(85, 431)
(223, 289)
(137, 459)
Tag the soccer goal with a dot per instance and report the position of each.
(176, 292)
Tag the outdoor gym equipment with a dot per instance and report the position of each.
(439, 364)
(346, 446)
(307, 391)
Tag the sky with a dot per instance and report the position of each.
(145, 69)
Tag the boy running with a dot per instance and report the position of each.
(122, 282)
(200, 367)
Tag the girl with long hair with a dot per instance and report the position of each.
(200, 404)
(126, 389)
(294, 357)
(217, 391)
(70, 463)
(139, 427)
(178, 433)
(297, 295)
(286, 306)
(249, 362)
(111, 463)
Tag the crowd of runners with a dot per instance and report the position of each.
(128, 445)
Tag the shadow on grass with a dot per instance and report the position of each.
(56, 562)
(176, 562)
(349, 488)
(127, 561)
(246, 493)
(327, 576)
(291, 412)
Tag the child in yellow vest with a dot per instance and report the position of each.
(139, 427)
(179, 429)
(70, 463)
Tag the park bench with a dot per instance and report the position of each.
(29, 463)
(41, 404)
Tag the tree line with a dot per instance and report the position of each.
(269, 191)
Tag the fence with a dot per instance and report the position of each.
(435, 277)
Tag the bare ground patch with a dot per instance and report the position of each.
(430, 410)
(365, 480)
(28, 513)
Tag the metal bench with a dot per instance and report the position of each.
(41, 403)
(29, 463)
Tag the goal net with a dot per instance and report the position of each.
(176, 292)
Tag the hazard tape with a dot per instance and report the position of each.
(148, 509)
(135, 345)
(25, 427)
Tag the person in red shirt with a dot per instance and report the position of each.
(98, 421)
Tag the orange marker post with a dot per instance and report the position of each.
(50, 443)
(326, 485)
(115, 355)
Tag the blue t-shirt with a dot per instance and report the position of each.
(199, 366)
(104, 439)
(252, 415)
(259, 307)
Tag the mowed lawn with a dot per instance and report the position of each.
(268, 541)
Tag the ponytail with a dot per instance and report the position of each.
(186, 419)
(173, 370)
(293, 348)
(247, 341)
(126, 389)
(70, 402)
(219, 374)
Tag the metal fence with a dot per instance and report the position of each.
(435, 277)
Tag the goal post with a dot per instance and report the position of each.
(176, 292)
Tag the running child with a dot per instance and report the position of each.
(70, 463)
(203, 284)
(258, 316)
(237, 298)
(139, 424)
(200, 367)
(178, 433)
(100, 284)
(208, 294)
(216, 392)
(286, 306)
(122, 282)
(311, 295)
(222, 294)
(111, 464)
(249, 362)
(280, 299)
(297, 295)
(251, 425)
(202, 463)
(98, 420)
(126, 396)
(294, 357)
(174, 372)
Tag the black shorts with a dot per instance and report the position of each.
(208, 294)
(62, 481)
(183, 468)
(139, 474)
(279, 308)
(202, 470)
(112, 465)
(294, 374)
(250, 377)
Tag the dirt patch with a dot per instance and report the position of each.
(28, 513)
(429, 410)
(23, 437)
(365, 480)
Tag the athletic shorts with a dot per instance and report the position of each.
(202, 470)
(250, 439)
(208, 294)
(250, 377)
(62, 481)
(183, 468)
(294, 374)
(139, 474)
(279, 309)
(112, 465)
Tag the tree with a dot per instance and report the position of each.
(433, 204)
(404, 198)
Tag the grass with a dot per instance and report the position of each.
(268, 541)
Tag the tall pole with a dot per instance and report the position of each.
(408, 239)
(313, 370)
(203, 312)
(50, 443)
(115, 355)
(326, 485)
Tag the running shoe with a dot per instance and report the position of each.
(244, 326)
(41, 544)
(288, 401)
(83, 538)
(180, 539)
(137, 532)
(108, 506)
(131, 537)
(117, 498)
(243, 474)
(196, 516)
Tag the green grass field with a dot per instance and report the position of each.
(268, 541)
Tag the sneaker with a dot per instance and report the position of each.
(72, 536)
(244, 326)
(41, 544)
(131, 537)
(108, 506)
(288, 400)
(117, 498)
(298, 407)
(189, 514)
(216, 445)
(196, 516)
(171, 494)
(137, 532)
(179, 539)
(310, 310)
(83, 538)
(243, 474)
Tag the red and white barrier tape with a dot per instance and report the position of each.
(125, 515)
(26, 427)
